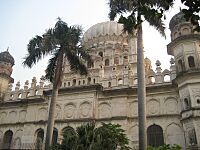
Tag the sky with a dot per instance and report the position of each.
(20, 20)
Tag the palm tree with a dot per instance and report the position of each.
(139, 11)
(61, 42)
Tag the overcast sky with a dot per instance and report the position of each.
(20, 20)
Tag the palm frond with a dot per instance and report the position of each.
(50, 70)
(76, 64)
(154, 18)
(35, 51)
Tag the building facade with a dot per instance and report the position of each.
(109, 92)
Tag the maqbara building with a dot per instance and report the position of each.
(109, 92)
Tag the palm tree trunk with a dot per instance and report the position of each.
(141, 91)
(51, 116)
(56, 85)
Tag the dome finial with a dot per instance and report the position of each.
(7, 49)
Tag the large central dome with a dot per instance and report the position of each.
(109, 28)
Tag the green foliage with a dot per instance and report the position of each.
(165, 147)
(152, 11)
(89, 137)
(192, 12)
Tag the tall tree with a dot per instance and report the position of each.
(192, 12)
(89, 137)
(139, 11)
(61, 42)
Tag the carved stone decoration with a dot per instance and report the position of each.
(3, 117)
(153, 107)
(69, 111)
(174, 135)
(58, 112)
(104, 110)
(133, 108)
(22, 115)
(12, 116)
(42, 114)
(1, 138)
(85, 109)
(17, 143)
(171, 106)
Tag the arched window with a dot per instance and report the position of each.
(94, 81)
(186, 103)
(68, 83)
(39, 138)
(107, 62)
(120, 81)
(89, 80)
(55, 136)
(7, 139)
(192, 137)
(83, 82)
(191, 62)
(155, 136)
(20, 95)
(36, 92)
(109, 84)
(166, 78)
(180, 65)
(79, 82)
(74, 82)
(64, 84)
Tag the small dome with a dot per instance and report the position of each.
(103, 29)
(6, 57)
(177, 19)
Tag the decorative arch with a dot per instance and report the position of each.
(104, 110)
(107, 62)
(175, 135)
(155, 135)
(153, 106)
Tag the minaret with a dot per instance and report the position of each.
(185, 47)
(6, 64)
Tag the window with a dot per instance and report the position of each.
(155, 136)
(180, 65)
(74, 82)
(186, 103)
(89, 80)
(109, 84)
(20, 95)
(107, 62)
(192, 137)
(79, 82)
(191, 62)
(68, 83)
(7, 139)
(90, 64)
(120, 81)
(94, 81)
(64, 84)
(83, 82)
(36, 92)
(166, 78)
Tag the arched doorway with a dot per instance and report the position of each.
(155, 136)
(7, 139)
(39, 139)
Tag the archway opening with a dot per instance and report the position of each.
(7, 139)
(155, 136)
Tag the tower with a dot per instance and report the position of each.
(6, 64)
(185, 47)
